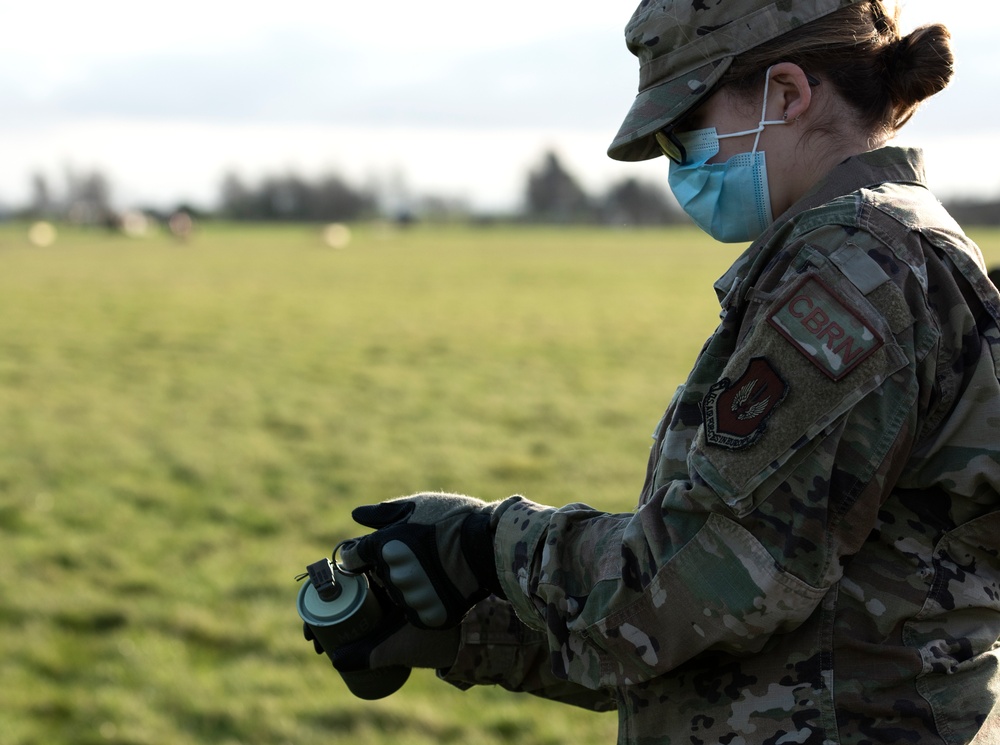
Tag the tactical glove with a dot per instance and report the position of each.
(394, 643)
(433, 553)
(403, 645)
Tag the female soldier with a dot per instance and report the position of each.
(814, 557)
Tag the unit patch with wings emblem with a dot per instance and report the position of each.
(736, 413)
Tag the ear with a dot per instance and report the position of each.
(789, 92)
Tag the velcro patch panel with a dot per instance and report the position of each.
(825, 328)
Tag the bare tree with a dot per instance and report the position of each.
(88, 198)
(42, 201)
(553, 195)
(634, 202)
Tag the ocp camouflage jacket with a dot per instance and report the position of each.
(814, 557)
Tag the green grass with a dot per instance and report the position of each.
(187, 425)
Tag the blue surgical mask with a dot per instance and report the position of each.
(730, 201)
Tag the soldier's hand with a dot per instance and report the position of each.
(392, 643)
(396, 643)
(433, 553)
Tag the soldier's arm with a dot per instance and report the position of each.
(498, 649)
(782, 480)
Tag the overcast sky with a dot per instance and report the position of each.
(454, 98)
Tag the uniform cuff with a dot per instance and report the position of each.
(492, 647)
(520, 526)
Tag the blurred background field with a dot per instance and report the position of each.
(187, 423)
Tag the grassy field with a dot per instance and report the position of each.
(185, 426)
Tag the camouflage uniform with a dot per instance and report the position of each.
(814, 557)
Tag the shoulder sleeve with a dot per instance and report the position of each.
(813, 350)
(799, 433)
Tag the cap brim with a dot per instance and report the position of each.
(658, 106)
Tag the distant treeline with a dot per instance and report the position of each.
(971, 212)
(551, 194)
(293, 198)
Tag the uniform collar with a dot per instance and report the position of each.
(885, 165)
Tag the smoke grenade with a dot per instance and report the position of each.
(340, 608)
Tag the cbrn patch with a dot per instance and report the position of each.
(825, 328)
(736, 413)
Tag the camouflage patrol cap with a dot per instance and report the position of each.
(685, 46)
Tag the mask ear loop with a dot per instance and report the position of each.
(763, 121)
(763, 112)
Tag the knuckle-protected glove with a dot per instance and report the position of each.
(432, 552)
